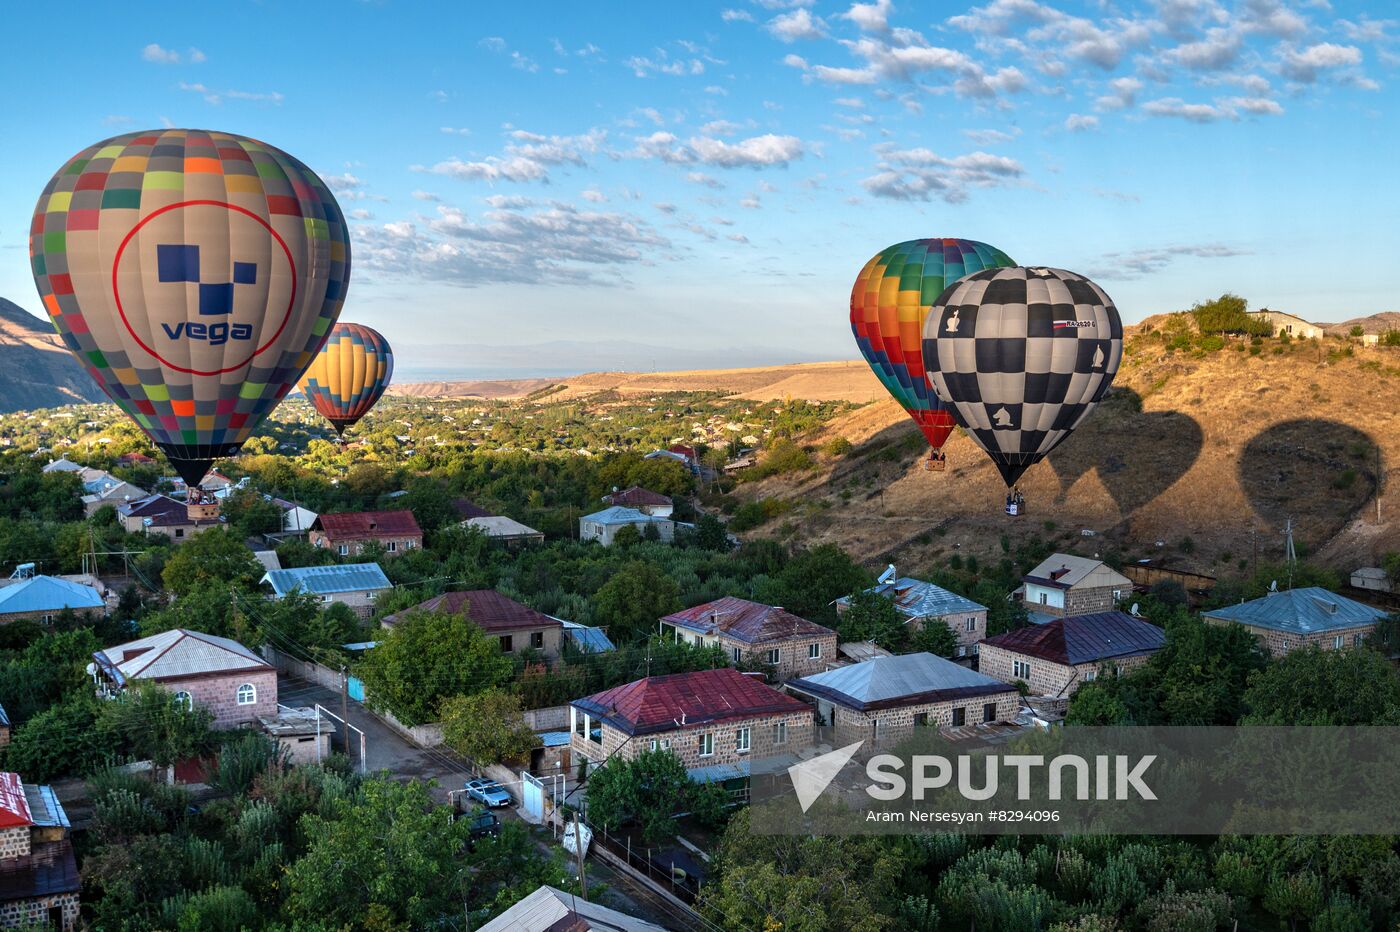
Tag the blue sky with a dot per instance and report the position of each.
(712, 177)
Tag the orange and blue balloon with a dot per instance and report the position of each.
(349, 374)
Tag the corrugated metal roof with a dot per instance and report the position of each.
(1084, 638)
(592, 640)
(620, 515)
(44, 808)
(176, 653)
(553, 739)
(325, 580)
(918, 599)
(501, 526)
(551, 910)
(743, 620)
(47, 594)
(905, 679)
(4, 719)
(1066, 570)
(14, 807)
(369, 525)
(718, 773)
(636, 496)
(486, 608)
(661, 703)
(1310, 610)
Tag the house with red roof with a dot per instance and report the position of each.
(644, 500)
(39, 881)
(348, 533)
(751, 632)
(708, 718)
(1054, 659)
(517, 627)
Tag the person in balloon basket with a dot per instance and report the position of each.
(1015, 503)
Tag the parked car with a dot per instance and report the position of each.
(484, 824)
(488, 793)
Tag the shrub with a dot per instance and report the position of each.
(838, 446)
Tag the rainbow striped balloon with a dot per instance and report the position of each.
(349, 374)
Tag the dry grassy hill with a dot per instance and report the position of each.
(36, 369)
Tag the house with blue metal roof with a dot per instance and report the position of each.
(1285, 621)
(923, 603)
(41, 598)
(603, 526)
(356, 585)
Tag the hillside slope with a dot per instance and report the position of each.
(36, 370)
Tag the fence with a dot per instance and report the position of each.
(660, 879)
(311, 672)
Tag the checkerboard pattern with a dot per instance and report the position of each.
(147, 226)
(889, 302)
(349, 374)
(1022, 356)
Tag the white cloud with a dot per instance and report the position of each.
(1260, 106)
(1306, 65)
(341, 183)
(1365, 29)
(1219, 49)
(1122, 94)
(527, 157)
(215, 97)
(798, 24)
(700, 178)
(1079, 122)
(493, 44)
(663, 63)
(163, 56)
(736, 16)
(720, 128)
(990, 137)
(425, 196)
(360, 213)
(594, 196)
(755, 152)
(920, 174)
(455, 130)
(1194, 113)
(870, 17)
(1142, 262)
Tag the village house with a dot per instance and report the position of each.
(644, 500)
(304, 734)
(42, 598)
(348, 533)
(752, 633)
(552, 910)
(603, 526)
(1289, 324)
(200, 670)
(1068, 585)
(1055, 658)
(681, 453)
(161, 514)
(102, 488)
(355, 585)
(922, 602)
(1372, 578)
(498, 529)
(39, 881)
(708, 718)
(1285, 621)
(884, 699)
(518, 628)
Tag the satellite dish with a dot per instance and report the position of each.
(1134, 609)
(1273, 586)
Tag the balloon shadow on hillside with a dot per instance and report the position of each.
(1309, 466)
(1136, 454)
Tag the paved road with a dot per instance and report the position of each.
(385, 749)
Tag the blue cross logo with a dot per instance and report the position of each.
(180, 263)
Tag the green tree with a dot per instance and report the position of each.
(634, 598)
(1294, 897)
(252, 514)
(813, 579)
(486, 727)
(57, 742)
(1092, 704)
(1227, 314)
(651, 789)
(147, 723)
(710, 533)
(215, 556)
(871, 616)
(427, 657)
(1325, 687)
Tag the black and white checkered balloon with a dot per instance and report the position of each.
(1022, 355)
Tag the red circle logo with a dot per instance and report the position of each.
(178, 266)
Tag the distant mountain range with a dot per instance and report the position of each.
(36, 370)
(1383, 322)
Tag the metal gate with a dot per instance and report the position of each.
(532, 796)
(356, 688)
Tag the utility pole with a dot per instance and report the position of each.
(345, 704)
(578, 849)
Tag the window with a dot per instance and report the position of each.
(1090, 675)
(1044, 597)
(665, 744)
(774, 655)
(1117, 594)
(1356, 640)
(408, 545)
(874, 727)
(814, 651)
(920, 719)
(971, 624)
(743, 741)
(247, 695)
(507, 643)
(989, 712)
(780, 733)
(184, 700)
(1337, 642)
(707, 744)
(959, 716)
(343, 550)
(737, 653)
(1020, 669)
(179, 532)
(653, 744)
(48, 619)
(537, 639)
(393, 547)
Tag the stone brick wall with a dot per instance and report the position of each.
(1046, 677)
(520, 640)
(793, 659)
(219, 694)
(1081, 600)
(14, 842)
(4, 735)
(1278, 643)
(896, 724)
(35, 911)
(685, 742)
(957, 623)
(88, 613)
(354, 548)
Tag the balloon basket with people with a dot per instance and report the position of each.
(937, 461)
(1015, 504)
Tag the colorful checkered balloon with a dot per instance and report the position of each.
(195, 275)
(889, 302)
(1022, 356)
(349, 374)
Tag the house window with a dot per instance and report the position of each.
(1090, 675)
(959, 716)
(507, 643)
(737, 653)
(1117, 594)
(665, 744)
(408, 545)
(1337, 642)
(707, 744)
(989, 712)
(920, 719)
(343, 550)
(393, 547)
(814, 651)
(1044, 597)
(184, 700)
(743, 742)
(653, 744)
(774, 655)
(1020, 669)
(1356, 640)
(537, 639)
(48, 619)
(780, 733)
(247, 695)
(874, 727)
(971, 623)
(179, 532)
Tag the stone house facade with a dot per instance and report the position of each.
(1046, 677)
(349, 533)
(517, 628)
(923, 603)
(1064, 585)
(1286, 621)
(754, 633)
(1054, 659)
(39, 882)
(354, 585)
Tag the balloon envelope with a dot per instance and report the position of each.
(1022, 356)
(889, 302)
(349, 374)
(195, 275)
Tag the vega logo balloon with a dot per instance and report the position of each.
(195, 275)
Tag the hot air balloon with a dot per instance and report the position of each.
(1022, 356)
(195, 275)
(889, 302)
(349, 374)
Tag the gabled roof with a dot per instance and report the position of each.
(636, 497)
(743, 620)
(620, 515)
(918, 599)
(368, 525)
(47, 594)
(1370, 572)
(14, 807)
(176, 654)
(891, 682)
(551, 910)
(151, 506)
(466, 508)
(63, 464)
(665, 703)
(325, 580)
(1083, 638)
(1064, 571)
(501, 526)
(488, 609)
(1300, 611)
